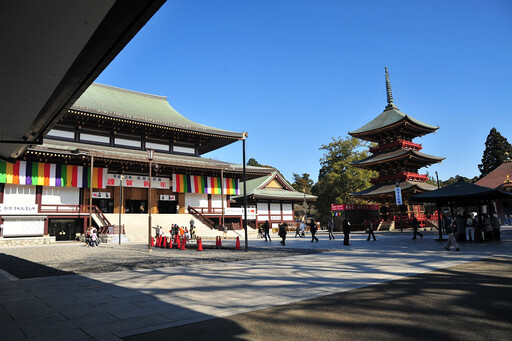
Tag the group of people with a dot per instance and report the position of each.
(176, 230)
(91, 237)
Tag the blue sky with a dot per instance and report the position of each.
(294, 74)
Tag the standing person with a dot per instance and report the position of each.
(330, 228)
(191, 223)
(346, 231)
(460, 223)
(470, 230)
(415, 226)
(266, 230)
(370, 232)
(313, 228)
(450, 231)
(487, 228)
(282, 233)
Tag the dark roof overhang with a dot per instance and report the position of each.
(51, 52)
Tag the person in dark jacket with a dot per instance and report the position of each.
(370, 232)
(415, 226)
(266, 230)
(282, 233)
(313, 228)
(346, 231)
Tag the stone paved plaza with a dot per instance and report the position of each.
(116, 304)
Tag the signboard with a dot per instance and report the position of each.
(23, 226)
(353, 207)
(239, 211)
(167, 197)
(398, 195)
(101, 195)
(16, 209)
(138, 181)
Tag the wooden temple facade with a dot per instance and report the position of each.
(397, 160)
(47, 191)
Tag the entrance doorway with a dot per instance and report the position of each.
(167, 206)
(136, 206)
(64, 229)
(105, 205)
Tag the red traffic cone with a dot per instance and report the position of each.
(183, 243)
(220, 242)
(170, 243)
(178, 244)
(152, 242)
(164, 242)
(237, 247)
(217, 242)
(199, 244)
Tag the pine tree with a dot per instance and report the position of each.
(496, 149)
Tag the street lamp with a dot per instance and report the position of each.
(151, 156)
(245, 135)
(305, 203)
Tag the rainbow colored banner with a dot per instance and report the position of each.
(204, 184)
(51, 174)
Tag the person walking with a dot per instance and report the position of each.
(450, 232)
(282, 233)
(470, 230)
(313, 228)
(330, 229)
(266, 230)
(346, 231)
(370, 232)
(415, 226)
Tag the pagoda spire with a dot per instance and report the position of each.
(390, 105)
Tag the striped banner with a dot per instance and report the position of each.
(51, 174)
(204, 184)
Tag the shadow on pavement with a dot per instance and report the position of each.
(472, 301)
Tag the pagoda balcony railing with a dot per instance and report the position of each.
(403, 176)
(396, 144)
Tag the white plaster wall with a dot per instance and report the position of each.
(60, 196)
(19, 195)
(217, 201)
(196, 200)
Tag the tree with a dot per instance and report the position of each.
(337, 179)
(457, 178)
(252, 162)
(496, 149)
(302, 182)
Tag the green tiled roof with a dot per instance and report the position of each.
(111, 101)
(390, 117)
(389, 188)
(255, 188)
(399, 153)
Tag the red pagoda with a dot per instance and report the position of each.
(396, 159)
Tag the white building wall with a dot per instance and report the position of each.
(19, 195)
(60, 196)
(196, 200)
(217, 201)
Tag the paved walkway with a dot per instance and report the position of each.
(107, 306)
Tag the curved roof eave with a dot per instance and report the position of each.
(137, 106)
(387, 119)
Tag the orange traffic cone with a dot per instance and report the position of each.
(237, 247)
(178, 244)
(170, 243)
(164, 242)
(199, 244)
(183, 243)
(152, 242)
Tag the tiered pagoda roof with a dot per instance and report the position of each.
(395, 157)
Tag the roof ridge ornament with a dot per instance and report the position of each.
(389, 94)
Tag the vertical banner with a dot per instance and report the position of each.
(398, 195)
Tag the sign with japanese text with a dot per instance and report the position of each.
(167, 197)
(138, 181)
(353, 207)
(101, 195)
(16, 209)
(398, 195)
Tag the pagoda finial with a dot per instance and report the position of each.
(388, 91)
